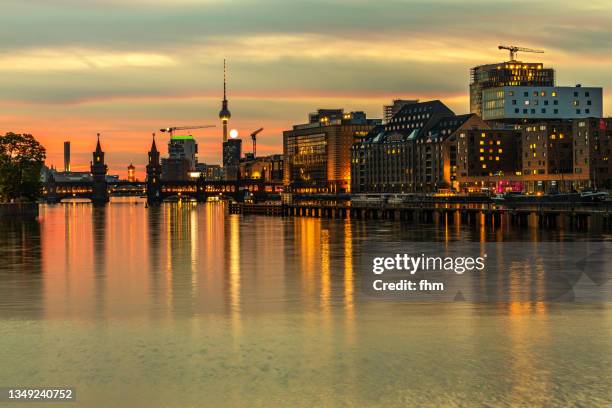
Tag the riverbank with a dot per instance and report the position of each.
(10, 210)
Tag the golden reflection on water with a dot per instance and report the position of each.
(325, 267)
(285, 289)
(193, 240)
(169, 240)
(531, 382)
(349, 281)
(234, 273)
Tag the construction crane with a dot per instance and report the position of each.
(172, 129)
(254, 138)
(514, 49)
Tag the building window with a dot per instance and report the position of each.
(543, 110)
(517, 110)
(524, 110)
(578, 111)
(587, 111)
(556, 111)
(589, 102)
(526, 102)
(526, 94)
(575, 94)
(514, 101)
(586, 94)
(553, 93)
(555, 102)
(546, 102)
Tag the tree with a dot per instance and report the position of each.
(21, 160)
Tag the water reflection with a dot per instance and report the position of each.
(21, 279)
(233, 273)
(183, 300)
(99, 236)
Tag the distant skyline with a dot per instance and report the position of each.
(72, 68)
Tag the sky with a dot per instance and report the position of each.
(72, 68)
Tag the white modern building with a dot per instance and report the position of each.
(541, 102)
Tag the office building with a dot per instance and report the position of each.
(533, 103)
(396, 106)
(183, 147)
(66, 156)
(406, 154)
(232, 150)
(317, 154)
(511, 73)
(547, 149)
(209, 172)
(174, 169)
(182, 158)
(266, 168)
(483, 158)
(592, 145)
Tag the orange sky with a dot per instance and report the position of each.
(70, 69)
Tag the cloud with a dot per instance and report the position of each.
(71, 68)
(49, 60)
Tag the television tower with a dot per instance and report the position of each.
(224, 113)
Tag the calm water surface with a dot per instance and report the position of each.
(184, 305)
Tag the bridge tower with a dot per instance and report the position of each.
(98, 173)
(153, 175)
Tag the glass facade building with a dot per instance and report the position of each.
(511, 73)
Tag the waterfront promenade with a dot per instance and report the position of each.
(543, 214)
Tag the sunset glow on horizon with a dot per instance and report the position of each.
(71, 69)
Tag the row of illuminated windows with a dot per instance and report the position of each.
(411, 117)
(532, 111)
(543, 93)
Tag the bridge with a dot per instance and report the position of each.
(155, 188)
(55, 191)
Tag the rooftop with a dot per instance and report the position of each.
(182, 137)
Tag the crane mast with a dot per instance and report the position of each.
(254, 138)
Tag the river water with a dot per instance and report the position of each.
(184, 305)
